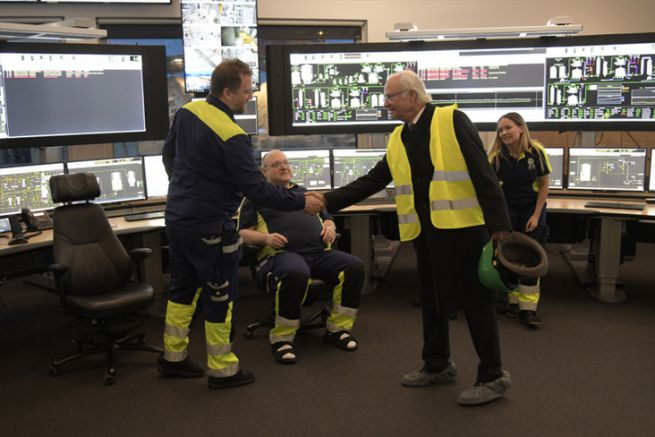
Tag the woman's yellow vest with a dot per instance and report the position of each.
(453, 201)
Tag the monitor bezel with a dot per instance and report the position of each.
(154, 89)
(279, 80)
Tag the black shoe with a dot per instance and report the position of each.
(342, 339)
(284, 352)
(242, 377)
(181, 369)
(512, 310)
(529, 319)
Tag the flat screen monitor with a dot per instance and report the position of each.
(600, 82)
(63, 94)
(120, 179)
(607, 169)
(27, 187)
(213, 31)
(311, 168)
(349, 164)
(556, 159)
(156, 177)
(5, 226)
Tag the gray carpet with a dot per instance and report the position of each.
(587, 372)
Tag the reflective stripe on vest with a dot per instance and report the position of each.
(217, 120)
(453, 200)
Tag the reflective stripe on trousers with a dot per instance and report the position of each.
(527, 297)
(284, 330)
(221, 361)
(176, 328)
(341, 318)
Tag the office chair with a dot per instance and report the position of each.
(318, 296)
(93, 274)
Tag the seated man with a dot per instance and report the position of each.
(295, 248)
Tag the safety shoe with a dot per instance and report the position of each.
(485, 392)
(529, 319)
(181, 369)
(242, 377)
(423, 378)
(512, 310)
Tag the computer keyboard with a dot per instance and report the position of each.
(614, 205)
(144, 216)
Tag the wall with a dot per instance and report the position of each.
(597, 17)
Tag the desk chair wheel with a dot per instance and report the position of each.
(54, 371)
(109, 380)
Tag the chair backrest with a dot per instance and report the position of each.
(84, 240)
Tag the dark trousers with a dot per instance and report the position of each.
(207, 261)
(480, 314)
(540, 234)
(291, 271)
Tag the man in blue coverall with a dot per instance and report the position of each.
(295, 248)
(210, 164)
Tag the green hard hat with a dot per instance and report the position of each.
(516, 256)
(489, 274)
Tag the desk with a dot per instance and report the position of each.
(144, 233)
(603, 283)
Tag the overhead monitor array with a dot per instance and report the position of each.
(599, 82)
(213, 31)
(63, 94)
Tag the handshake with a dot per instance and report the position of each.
(314, 202)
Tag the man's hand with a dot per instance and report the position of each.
(314, 202)
(499, 235)
(278, 241)
(329, 232)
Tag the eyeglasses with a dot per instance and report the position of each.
(392, 95)
(278, 164)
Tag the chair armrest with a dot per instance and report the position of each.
(139, 254)
(58, 271)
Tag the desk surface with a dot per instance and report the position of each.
(118, 224)
(573, 205)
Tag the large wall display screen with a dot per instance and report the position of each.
(607, 169)
(217, 30)
(595, 83)
(62, 94)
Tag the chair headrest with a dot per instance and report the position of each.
(74, 187)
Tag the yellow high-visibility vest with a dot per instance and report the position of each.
(453, 201)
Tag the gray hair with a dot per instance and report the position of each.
(411, 82)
